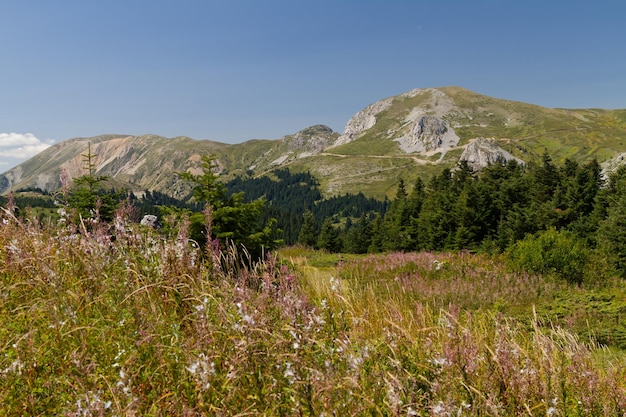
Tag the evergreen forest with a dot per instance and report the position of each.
(496, 210)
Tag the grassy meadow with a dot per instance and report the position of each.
(120, 320)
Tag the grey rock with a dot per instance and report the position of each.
(481, 152)
(149, 220)
(428, 133)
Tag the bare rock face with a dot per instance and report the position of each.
(428, 133)
(612, 165)
(362, 121)
(482, 151)
(311, 140)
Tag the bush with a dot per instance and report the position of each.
(551, 252)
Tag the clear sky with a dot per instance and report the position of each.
(234, 70)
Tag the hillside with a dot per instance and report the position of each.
(415, 133)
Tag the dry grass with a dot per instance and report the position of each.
(120, 320)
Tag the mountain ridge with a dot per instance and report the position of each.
(412, 134)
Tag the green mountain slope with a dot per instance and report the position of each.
(415, 133)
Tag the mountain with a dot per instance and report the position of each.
(415, 133)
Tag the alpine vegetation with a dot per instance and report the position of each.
(121, 319)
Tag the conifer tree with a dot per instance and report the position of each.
(436, 222)
(376, 242)
(88, 196)
(611, 232)
(308, 232)
(396, 220)
(328, 238)
(359, 237)
(413, 209)
(233, 221)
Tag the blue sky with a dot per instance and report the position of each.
(235, 70)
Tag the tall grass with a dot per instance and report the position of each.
(119, 320)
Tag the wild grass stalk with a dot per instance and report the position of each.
(120, 320)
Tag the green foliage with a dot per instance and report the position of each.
(125, 321)
(328, 239)
(88, 197)
(551, 252)
(291, 194)
(309, 231)
(358, 237)
(228, 218)
(612, 229)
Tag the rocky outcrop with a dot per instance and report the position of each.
(428, 133)
(312, 140)
(612, 165)
(362, 121)
(422, 128)
(481, 152)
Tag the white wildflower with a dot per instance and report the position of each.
(289, 373)
(439, 408)
(15, 367)
(439, 361)
(248, 319)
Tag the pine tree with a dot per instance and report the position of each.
(415, 201)
(436, 224)
(328, 238)
(611, 233)
(233, 221)
(88, 196)
(396, 220)
(359, 237)
(309, 230)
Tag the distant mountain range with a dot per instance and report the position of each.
(413, 134)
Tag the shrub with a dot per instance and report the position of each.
(551, 252)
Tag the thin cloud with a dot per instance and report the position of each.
(18, 147)
(12, 140)
(23, 152)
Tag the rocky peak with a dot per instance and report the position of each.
(362, 121)
(481, 152)
(311, 140)
(428, 133)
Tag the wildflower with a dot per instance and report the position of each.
(439, 408)
(552, 409)
(443, 321)
(355, 361)
(439, 361)
(15, 367)
(248, 319)
(393, 397)
(289, 374)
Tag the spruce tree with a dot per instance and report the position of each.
(88, 197)
(308, 232)
(328, 238)
(396, 220)
(233, 221)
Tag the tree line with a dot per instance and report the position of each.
(493, 211)
(458, 209)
